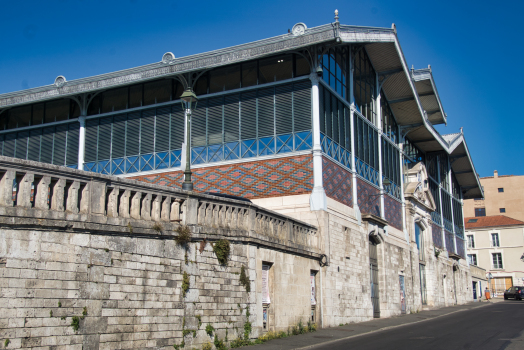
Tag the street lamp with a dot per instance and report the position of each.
(189, 101)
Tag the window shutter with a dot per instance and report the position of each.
(133, 134)
(198, 125)
(231, 118)
(119, 137)
(91, 140)
(147, 132)
(21, 145)
(302, 106)
(283, 109)
(9, 145)
(248, 115)
(266, 112)
(162, 129)
(72, 144)
(34, 145)
(335, 122)
(104, 138)
(177, 128)
(214, 121)
(60, 144)
(46, 150)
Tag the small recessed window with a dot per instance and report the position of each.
(502, 210)
(472, 220)
(480, 211)
(501, 189)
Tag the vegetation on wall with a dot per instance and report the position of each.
(221, 249)
(183, 235)
(185, 284)
(244, 280)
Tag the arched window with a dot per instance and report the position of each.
(419, 238)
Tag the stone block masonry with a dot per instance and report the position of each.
(89, 261)
(127, 291)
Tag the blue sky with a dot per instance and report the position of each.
(475, 49)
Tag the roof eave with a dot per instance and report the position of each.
(207, 60)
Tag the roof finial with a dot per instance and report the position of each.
(412, 68)
(461, 130)
(336, 15)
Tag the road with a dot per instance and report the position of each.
(497, 326)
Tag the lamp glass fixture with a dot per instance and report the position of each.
(189, 100)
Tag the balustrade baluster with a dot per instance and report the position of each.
(23, 198)
(72, 198)
(136, 202)
(155, 210)
(145, 212)
(123, 210)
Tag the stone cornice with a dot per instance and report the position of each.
(234, 54)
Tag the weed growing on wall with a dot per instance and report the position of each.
(199, 318)
(129, 227)
(185, 284)
(244, 280)
(157, 227)
(221, 249)
(207, 346)
(210, 330)
(75, 323)
(183, 235)
(6, 342)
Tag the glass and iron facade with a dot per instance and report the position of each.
(256, 108)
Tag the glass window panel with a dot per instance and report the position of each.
(3, 120)
(275, 68)
(178, 89)
(200, 87)
(249, 74)
(114, 100)
(226, 78)
(157, 92)
(92, 109)
(301, 66)
(135, 96)
(56, 110)
(75, 110)
(19, 117)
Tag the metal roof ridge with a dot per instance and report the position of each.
(190, 58)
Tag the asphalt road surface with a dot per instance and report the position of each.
(496, 326)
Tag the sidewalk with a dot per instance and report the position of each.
(356, 329)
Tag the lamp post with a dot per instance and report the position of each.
(189, 101)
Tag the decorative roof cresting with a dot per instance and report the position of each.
(168, 57)
(60, 81)
(299, 29)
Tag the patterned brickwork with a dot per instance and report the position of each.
(259, 179)
(393, 212)
(337, 182)
(450, 244)
(460, 247)
(436, 231)
(368, 201)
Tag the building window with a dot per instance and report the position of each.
(502, 210)
(495, 240)
(472, 259)
(501, 189)
(419, 238)
(497, 260)
(471, 241)
(480, 211)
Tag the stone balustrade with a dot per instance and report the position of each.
(80, 199)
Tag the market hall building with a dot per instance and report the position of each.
(328, 125)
